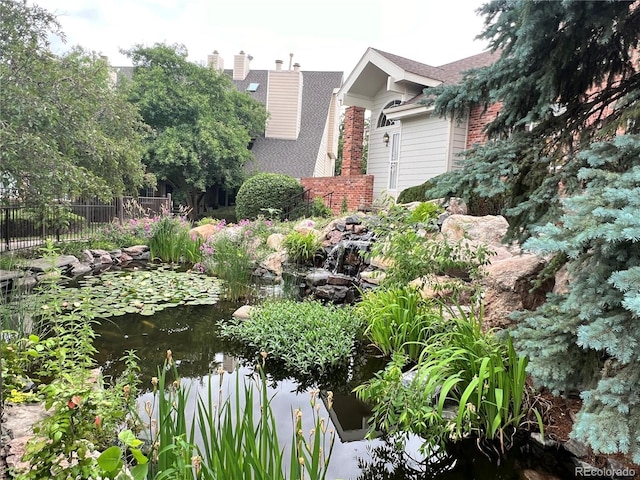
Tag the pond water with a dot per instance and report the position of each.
(191, 332)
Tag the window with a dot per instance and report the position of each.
(393, 161)
(253, 87)
(382, 119)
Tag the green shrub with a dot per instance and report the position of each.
(415, 193)
(425, 213)
(319, 209)
(308, 337)
(267, 194)
(414, 255)
(301, 247)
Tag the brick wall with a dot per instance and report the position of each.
(478, 118)
(357, 189)
(353, 138)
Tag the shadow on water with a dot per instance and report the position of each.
(192, 334)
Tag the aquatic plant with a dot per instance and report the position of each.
(465, 383)
(235, 443)
(171, 242)
(308, 337)
(398, 320)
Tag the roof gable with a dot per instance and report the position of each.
(377, 69)
(295, 158)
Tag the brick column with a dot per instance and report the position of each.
(353, 138)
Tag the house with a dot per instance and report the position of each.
(408, 144)
(301, 135)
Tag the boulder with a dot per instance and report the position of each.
(80, 269)
(375, 277)
(274, 262)
(243, 312)
(488, 230)
(274, 241)
(509, 287)
(136, 250)
(43, 264)
(204, 231)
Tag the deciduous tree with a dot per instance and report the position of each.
(202, 124)
(64, 128)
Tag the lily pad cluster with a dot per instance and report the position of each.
(144, 292)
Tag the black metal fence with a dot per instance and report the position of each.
(302, 205)
(23, 225)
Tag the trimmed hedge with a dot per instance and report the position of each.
(267, 194)
(415, 193)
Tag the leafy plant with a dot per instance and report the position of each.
(319, 209)
(235, 443)
(398, 320)
(170, 241)
(416, 253)
(301, 247)
(306, 336)
(465, 383)
(232, 260)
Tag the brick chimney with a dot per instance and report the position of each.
(215, 61)
(353, 139)
(240, 66)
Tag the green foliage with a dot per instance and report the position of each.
(413, 253)
(266, 194)
(231, 258)
(235, 443)
(202, 123)
(398, 320)
(587, 339)
(319, 209)
(64, 129)
(544, 119)
(425, 213)
(344, 206)
(84, 414)
(465, 383)
(170, 241)
(307, 337)
(301, 247)
(416, 193)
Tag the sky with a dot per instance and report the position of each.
(323, 35)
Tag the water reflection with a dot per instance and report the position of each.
(192, 335)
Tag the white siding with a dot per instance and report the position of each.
(424, 149)
(324, 165)
(459, 141)
(284, 104)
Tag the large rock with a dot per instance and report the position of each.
(489, 230)
(273, 262)
(274, 241)
(244, 312)
(44, 264)
(509, 287)
(204, 231)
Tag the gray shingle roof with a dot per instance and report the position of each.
(447, 73)
(295, 158)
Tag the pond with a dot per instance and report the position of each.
(191, 332)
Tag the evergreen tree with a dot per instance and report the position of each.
(565, 151)
(566, 75)
(588, 339)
